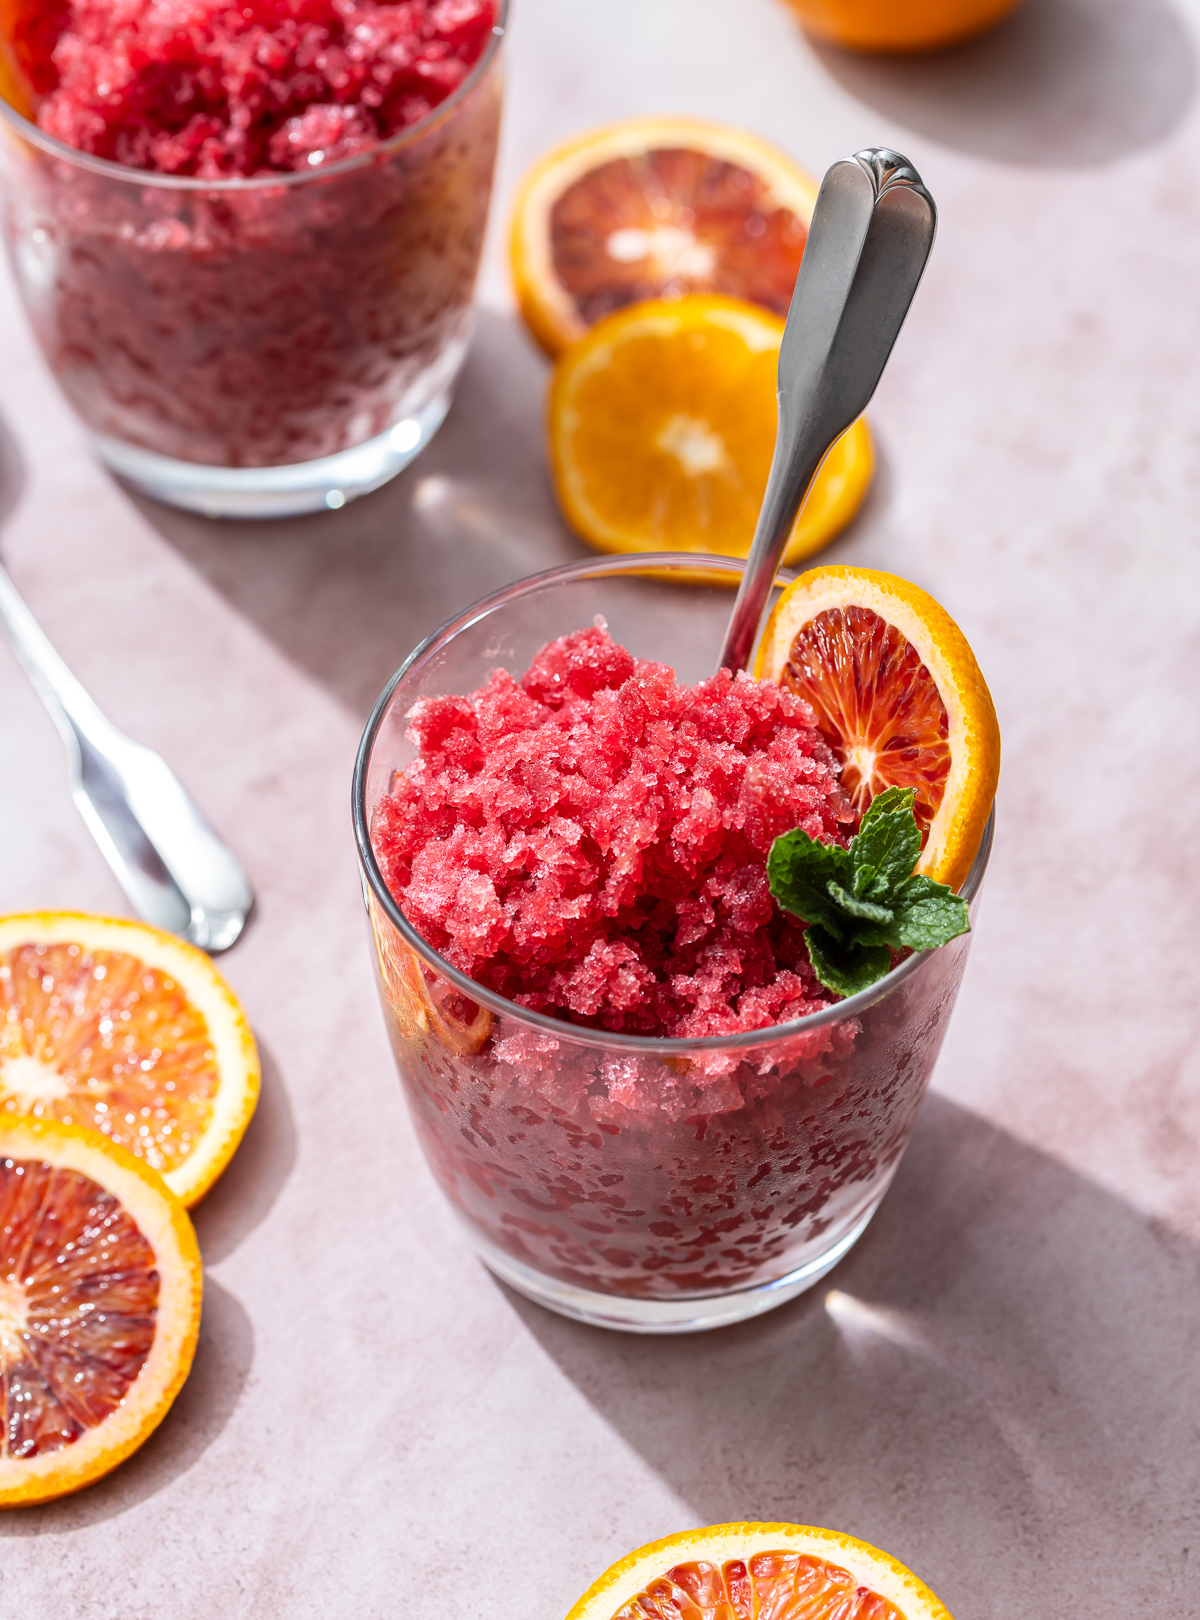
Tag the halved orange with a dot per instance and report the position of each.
(662, 426)
(100, 1286)
(882, 25)
(655, 208)
(127, 1030)
(759, 1572)
(899, 698)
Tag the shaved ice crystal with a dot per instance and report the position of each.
(591, 840)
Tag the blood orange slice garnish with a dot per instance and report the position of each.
(898, 696)
(100, 1286)
(128, 1031)
(655, 208)
(759, 1572)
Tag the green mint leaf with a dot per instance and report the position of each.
(854, 907)
(845, 969)
(888, 841)
(929, 915)
(860, 901)
(800, 869)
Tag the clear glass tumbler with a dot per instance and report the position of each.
(258, 347)
(655, 1185)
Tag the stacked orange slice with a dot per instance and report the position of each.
(127, 1077)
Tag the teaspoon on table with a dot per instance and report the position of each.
(175, 870)
(871, 232)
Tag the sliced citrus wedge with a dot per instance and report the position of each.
(131, 1032)
(899, 698)
(100, 1286)
(662, 427)
(653, 208)
(758, 1572)
(424, 1003)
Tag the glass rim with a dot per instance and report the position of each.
(50, 144)
(559, 1028)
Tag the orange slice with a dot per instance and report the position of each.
(100, 1286)
(423, 1003)
(654, 208)
(119, 1027)
(881, 25)
(662, 426)
(758, 1572)
(899, 698)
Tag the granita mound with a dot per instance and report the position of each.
(591, 840)
(213, 89)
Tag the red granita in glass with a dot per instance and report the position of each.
(205, 313)
(590, 842)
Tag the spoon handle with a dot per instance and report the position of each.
(869, 240)
(175, 870)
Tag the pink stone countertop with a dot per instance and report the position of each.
(1006, 1390)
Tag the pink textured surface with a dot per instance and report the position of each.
(1000, 1385)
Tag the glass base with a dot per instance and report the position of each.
(696, 1315)
(271, 492)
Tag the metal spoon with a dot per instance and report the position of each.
(176, 871)
(870, 236)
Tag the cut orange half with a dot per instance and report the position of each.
(899, 698)
(758, 1572)
(100, 1287)
(662, 426)
(131, 1032)
(654, 208)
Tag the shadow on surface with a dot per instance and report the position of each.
(256, 1174)
(1061, 83)
(202, 1409)
(348, 594)
(999, 1386)
(12, 473)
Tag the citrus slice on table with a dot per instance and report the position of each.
(100, 1286)
(662, 426)
(129, 1031)
(758, 1572)
(899, 698)
(653, 208)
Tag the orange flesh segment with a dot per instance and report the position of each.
(769, 1586)
(670, 222)
(97, 1038)
(78, 1301)
(877, 706)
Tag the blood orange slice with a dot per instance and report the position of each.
(898, 696)
(655, 208)
(127, 1030)
(759, 1572)
(100, 1286)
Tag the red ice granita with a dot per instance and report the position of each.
(264, 249)
(623, 1070)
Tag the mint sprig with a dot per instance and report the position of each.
(860, 901)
